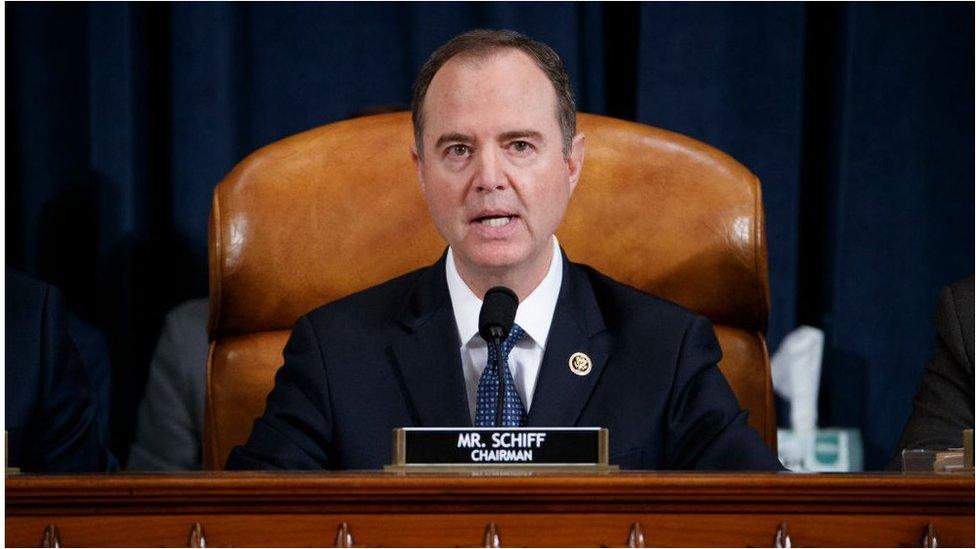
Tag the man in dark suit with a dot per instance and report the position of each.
(944, 404)
(51, 418)
(498, 157)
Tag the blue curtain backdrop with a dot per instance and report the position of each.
(858, 118)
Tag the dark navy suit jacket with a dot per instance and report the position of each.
(389, 357)
(943, 406)
(51, 419)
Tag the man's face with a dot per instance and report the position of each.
(493, 170)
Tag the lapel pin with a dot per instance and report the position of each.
(580, 364)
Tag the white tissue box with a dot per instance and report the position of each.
(821, 450)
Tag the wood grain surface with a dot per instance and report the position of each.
(674, 509)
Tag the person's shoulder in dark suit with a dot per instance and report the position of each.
(705, 428)
(297, 429)
(626, 308)
(943, 406)
(50, 415)
(370, 310)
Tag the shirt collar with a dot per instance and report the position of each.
(534, 314)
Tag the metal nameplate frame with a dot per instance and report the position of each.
(514, 449)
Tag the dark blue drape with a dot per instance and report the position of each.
(858, 118)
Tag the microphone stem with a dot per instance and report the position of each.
(497, 342)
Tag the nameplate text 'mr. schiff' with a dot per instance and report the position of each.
(494, 447)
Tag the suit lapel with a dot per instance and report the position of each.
(577, 326)
(427, 360)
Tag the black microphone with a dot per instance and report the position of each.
(495, 321)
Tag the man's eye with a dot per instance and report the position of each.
(521, 146)
(458, 150)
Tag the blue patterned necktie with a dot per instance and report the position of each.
(514, 413)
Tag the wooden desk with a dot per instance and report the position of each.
(290, 509)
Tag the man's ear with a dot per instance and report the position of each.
(574, 162)
(418, 165)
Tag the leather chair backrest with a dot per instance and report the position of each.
(336, 209)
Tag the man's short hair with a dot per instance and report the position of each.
(482, 44)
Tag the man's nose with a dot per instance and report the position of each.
(490, 175)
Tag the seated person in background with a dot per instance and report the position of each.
(944, 405)
(51, 418)
(169, 428)
(92, 347)
(497, 156)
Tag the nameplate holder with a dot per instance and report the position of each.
(464, 449)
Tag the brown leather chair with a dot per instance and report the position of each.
(337, 209)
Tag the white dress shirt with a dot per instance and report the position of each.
(534, 315)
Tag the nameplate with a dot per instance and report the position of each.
(483, 447)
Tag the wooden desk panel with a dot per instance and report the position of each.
(259, 509)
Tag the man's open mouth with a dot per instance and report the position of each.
(495, 220)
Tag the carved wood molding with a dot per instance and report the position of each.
(620, 489)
